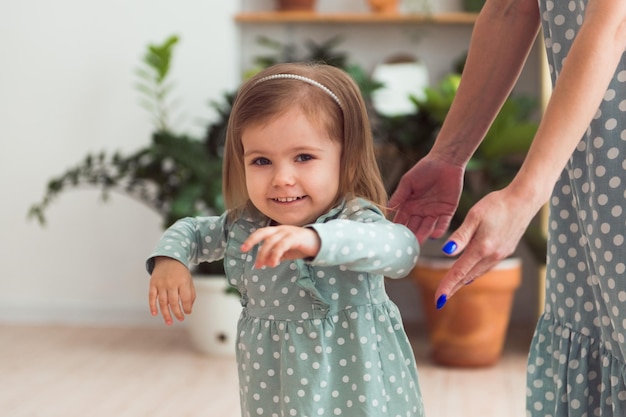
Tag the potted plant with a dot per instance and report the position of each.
(175, 175)
(471, 329)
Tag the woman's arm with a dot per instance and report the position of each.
(495, 225)
(577, 94)
(428, 194)
(501, 41)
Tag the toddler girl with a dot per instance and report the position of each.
(307, 245)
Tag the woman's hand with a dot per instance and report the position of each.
(491, 232)
(427, 197)
(172, 287)
(280, 243)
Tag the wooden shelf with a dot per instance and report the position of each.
(355, 18)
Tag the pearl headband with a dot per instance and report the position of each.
(301, 78)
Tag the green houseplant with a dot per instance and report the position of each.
(176, 176)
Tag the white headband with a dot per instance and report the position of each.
(301, 78)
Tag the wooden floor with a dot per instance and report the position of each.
(55, 371)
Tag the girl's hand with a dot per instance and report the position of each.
(280, 243)
(491, 232)
(171, 285)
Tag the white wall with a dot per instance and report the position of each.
(66, 89)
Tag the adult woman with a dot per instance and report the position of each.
(577, 361)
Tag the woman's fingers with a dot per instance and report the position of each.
(490, 233)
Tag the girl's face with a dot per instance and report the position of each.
(292, 168)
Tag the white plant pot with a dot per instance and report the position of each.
(400, 81)
(213, 322)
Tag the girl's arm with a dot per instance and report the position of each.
(379, 247)
(189, 241)
(192, 240)
(367, 242)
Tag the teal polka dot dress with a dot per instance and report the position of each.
(577, 366)
(317, 337)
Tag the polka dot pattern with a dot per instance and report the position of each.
(318, 337)
(576, 365)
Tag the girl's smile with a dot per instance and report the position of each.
(288, 199)
(292, 168)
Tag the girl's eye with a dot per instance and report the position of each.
(304, 157)
(261, 161)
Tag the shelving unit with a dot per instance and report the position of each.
(370, 38)
(315, 18)
(354, 18)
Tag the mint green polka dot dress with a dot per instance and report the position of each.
(577, 366)
(318, 337)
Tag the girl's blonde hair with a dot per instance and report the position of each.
(264, 97)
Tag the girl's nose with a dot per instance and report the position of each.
(283, 176)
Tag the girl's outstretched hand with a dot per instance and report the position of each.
(427, 197)
(172, 288)
(280, 243)
(491, 232)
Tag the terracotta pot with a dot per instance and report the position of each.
(383, 6)
(292, 5)
(470, 330)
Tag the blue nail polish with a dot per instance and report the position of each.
(441, 301)
(449, 247)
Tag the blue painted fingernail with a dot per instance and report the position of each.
(441, 301)
(449, 247)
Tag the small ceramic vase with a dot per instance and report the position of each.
(383, 6)
(401, 78)
(296, 5)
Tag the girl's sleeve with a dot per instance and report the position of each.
(367, 242)
(192, 240)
